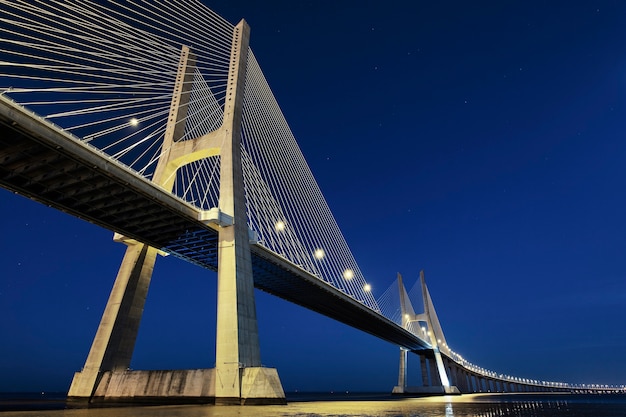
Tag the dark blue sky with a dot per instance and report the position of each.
(480, 141)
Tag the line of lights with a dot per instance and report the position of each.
(513, 379)
(319, 254)
(526, 381)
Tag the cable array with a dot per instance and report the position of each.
(286, 207)
(390, 302)
(105, 71)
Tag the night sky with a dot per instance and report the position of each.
(483, 142)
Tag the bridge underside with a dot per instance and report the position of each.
(40, 161)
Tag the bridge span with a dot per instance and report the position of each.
(215, 178)
(44, 163)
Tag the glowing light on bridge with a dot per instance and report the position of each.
(348, 274)
(280, 226)
(133, 121)
(319, 253)
(367, 288)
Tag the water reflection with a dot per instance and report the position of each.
(462, 406)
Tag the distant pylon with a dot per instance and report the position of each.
(435, 332)
(439, 381)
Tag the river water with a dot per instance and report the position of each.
(475, 405)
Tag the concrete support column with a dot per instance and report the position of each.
(435, 380)
(479, 383)
(462, 381)
(451, 369)
(457, 376)
(239, 376)
(460, 378)
(468, 381)
(402, 371)
(424, 369)
(115, 338)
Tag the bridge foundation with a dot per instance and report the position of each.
(194, 386)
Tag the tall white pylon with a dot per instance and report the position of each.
(238, 377)
(439, 380)
(435, 332)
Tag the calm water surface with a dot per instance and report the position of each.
(478, 405)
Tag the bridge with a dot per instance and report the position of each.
(158, 124)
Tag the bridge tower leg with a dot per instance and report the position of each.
(401, 387)
(438, 383)
(238, 377)
(115, 338)
(424, 367)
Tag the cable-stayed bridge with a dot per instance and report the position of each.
(154, 120)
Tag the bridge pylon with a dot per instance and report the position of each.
(238, 377)
(435, 379)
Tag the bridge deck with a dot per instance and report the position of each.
(41, 161)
